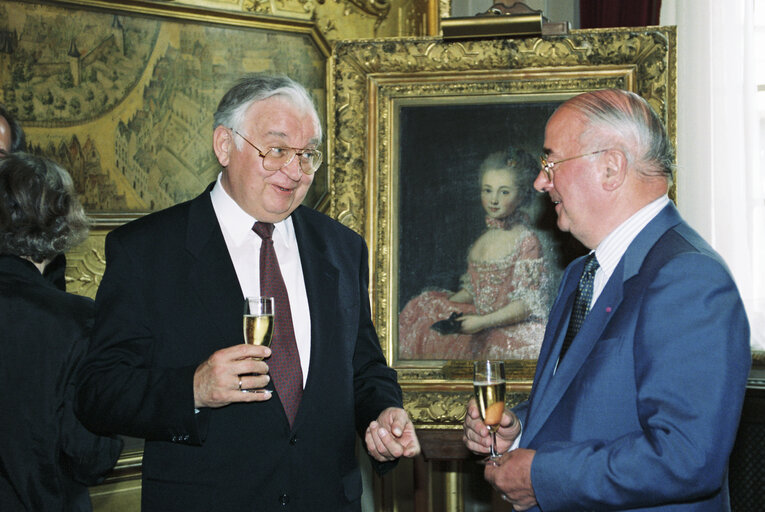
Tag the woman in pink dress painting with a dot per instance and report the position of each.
(501, 308)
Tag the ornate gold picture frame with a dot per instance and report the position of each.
(379, 86)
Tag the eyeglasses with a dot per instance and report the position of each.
(276, 158)
(547, 166)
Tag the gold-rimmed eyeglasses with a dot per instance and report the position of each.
(548, 166)
(276, 158)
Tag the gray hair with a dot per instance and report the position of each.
(40, 215)
(625, 121)
(256, 87)
(521, 165)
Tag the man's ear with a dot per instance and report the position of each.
(615, 173)
(222, 142)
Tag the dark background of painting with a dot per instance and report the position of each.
(440, 212)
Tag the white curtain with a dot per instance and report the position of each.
(720, 185)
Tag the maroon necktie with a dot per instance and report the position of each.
(284, 363)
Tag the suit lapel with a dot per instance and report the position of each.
(556, 325)
(321, 278)
(549, 388)
(211, 272)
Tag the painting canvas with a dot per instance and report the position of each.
(123, 96)
(124, 99)
(442, 146)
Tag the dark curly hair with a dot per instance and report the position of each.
(40, 215)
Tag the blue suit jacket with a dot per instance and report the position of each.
(642, 412)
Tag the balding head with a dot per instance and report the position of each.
(623, 120)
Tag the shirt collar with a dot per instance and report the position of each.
(238, 223)
(613, 247)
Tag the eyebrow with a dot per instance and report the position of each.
(312, 142)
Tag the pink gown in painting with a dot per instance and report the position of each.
(493, 284)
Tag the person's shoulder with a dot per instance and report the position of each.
(681, 247)
(76, 311)
(682, 239)
(159, 223)
(318, 220)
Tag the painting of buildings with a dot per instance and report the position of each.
(125, 101)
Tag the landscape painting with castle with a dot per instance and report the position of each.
(125, 101)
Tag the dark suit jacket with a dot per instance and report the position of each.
(47, 458)
(168, 300)
(643, 410)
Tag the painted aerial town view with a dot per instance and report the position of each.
(125, 101)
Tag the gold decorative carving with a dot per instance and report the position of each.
(302, 9)
(372, 79)
(440, 409)
(85, 267)
(85, 264)
(379, 8)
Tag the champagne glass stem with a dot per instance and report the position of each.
(494, 453)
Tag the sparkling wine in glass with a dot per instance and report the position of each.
(258, 320)
(489, 386)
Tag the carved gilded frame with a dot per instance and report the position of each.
(372, 79)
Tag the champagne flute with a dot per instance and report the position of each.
(258, 321)
(258, 325)
(489, 387)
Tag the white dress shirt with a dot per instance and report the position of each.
(611, 249)
(244, 248)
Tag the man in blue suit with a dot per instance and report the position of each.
(640, 410)
(167, 361)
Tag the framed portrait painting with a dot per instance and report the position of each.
(426, 137)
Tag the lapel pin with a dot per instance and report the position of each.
(608, 309)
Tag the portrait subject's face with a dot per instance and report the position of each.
(499, 194)
(575, 189)
(269, 196)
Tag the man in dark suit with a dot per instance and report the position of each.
(638, 409)
(167, 361)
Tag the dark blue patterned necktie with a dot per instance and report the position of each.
(284, 363)
(581, 302)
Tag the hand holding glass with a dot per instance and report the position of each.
(489, 387)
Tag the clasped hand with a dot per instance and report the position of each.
(391, 436)
(221, 378)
